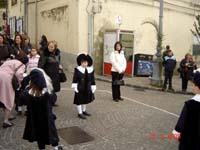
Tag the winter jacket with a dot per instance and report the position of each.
(32, 62)
(50, 63)
(169, 63)
(118, 61)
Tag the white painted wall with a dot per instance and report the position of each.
(71, 31)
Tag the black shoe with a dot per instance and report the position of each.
(26, 113)
(184, 91)
(60, 148)
(86, 113)
(12, 118)
(81, 116)
(121, 99)
(116, 100)
(7, 125)
(55, 105)
(19, 113)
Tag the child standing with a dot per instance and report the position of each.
(187, 129)
(40, 121)
(83, 84)
(169, 65)
(33, 58)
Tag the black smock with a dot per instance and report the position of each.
(40, 121)
(189, 126)
(84, 82)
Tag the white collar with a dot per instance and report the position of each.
(82, 70)
(196, 97)
(90, 69)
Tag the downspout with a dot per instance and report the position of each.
(36, 23)
(26, 16)
(90, 33)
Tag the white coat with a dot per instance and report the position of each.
(118, 61)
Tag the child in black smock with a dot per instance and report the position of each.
(83, 84)
(40, 121)
(187, 129)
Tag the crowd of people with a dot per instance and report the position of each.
(38, 75)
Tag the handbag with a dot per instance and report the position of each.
(62, 75)
(14, 81)
(118, 82)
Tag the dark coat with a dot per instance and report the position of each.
(43, 45)
(169, 64)
(84, 82)
(40, 121)
(187, 71)
(189, 126)
(4, 53)
(24, 48)
(50, 63)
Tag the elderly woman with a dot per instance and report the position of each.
(119, 63)
(7, 93)
(50, 62)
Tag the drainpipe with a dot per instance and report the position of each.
(36, 23)
(90, 33)
(26, 16)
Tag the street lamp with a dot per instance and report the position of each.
(157, 64)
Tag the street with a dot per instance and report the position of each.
(143, 121)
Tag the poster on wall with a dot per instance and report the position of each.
(14, 2)
(19, 25)
(109, 41)
(12, 22)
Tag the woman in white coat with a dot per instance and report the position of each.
(119, 63)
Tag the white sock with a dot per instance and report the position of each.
(55, 148)
(79, 109)
(83, 108)
(19, 108)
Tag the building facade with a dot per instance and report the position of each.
(72, 23)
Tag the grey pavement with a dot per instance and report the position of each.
(145, 83)
(126, 125)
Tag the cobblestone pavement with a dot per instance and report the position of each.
(126, 125)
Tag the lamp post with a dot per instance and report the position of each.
(159, 46)
(157, 64)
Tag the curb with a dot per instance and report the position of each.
(145, 87)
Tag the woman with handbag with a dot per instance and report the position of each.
(187, 66)
(7, 92)
(50, 62)
(119, 63)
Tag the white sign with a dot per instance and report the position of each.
(118, 20)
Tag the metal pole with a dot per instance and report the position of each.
(36, 23)
(90, 33)
(157, 64)
(160, 24)
(25, 15)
